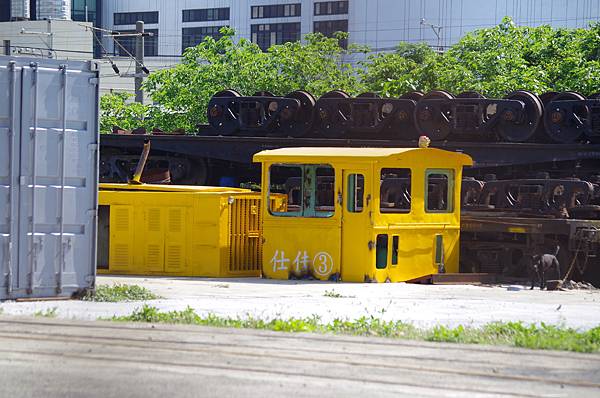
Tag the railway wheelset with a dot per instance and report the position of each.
(520, 116)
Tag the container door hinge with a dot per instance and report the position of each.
(93, 147)
(94, 81)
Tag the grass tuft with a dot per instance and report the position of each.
(119, 292)
(333, 294)
(515, 334)
(47, 313)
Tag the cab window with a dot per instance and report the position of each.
(395, 191)
(302, 190)
(355, 193)
(439, 191)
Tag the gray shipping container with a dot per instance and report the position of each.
(48, 177)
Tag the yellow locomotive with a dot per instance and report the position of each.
(350, 214)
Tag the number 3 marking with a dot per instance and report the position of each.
(323, 264)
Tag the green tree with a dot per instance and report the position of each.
(507, 57)
(410, 67)
(117, 110)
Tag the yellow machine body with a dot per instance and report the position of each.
(179, 230)
(360, 214)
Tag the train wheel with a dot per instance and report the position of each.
(470, 94)
(547, 97)
(299, 123)
(263, 94)
(520, 128)
(223, 118)
(227, 93)
(566, 125)
(540, 132)
(196, 172)
(433, 119)
(332, 118)
(413, 95)
(368, 95)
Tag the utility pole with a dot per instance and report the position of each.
(437, 31)
(139, 57)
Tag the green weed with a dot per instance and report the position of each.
(119, 292)
(47, 313)
(334, 294)
(514, 334)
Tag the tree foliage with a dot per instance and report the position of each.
(410, 68)
(493, 61)
(498, 60)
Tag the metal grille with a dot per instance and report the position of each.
(245, 244)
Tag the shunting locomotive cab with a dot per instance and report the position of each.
(360, 214)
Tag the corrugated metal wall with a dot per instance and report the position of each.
(48, 177)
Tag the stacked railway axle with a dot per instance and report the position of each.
(521, 116)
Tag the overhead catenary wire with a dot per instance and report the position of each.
(141, 65)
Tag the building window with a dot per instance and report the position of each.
(206, 14)
(328, 28)
(130, 18)
(266, 35)
(84, 11)
(90, 11)
(331, 8)
(276, 11)
(193, 36)
(150, 43)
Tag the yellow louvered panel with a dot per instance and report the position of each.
(121, 255)
(244, 239)
(154, 240)
(154, 257)
(121, 238)
(154, 221)
(175, 240)
(174, 258)
(121, 218)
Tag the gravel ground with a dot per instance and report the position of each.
(422, 305)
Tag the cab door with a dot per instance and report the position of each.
(356, 224)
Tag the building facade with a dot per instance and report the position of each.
(380, 24)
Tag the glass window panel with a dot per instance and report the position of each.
(276, 11)
(395, 191)
(381, 253)
(150, 44)
(286, 192)
(439, 191)
(355, 193)
(331, 7)
(193, 36)
(302, 190)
